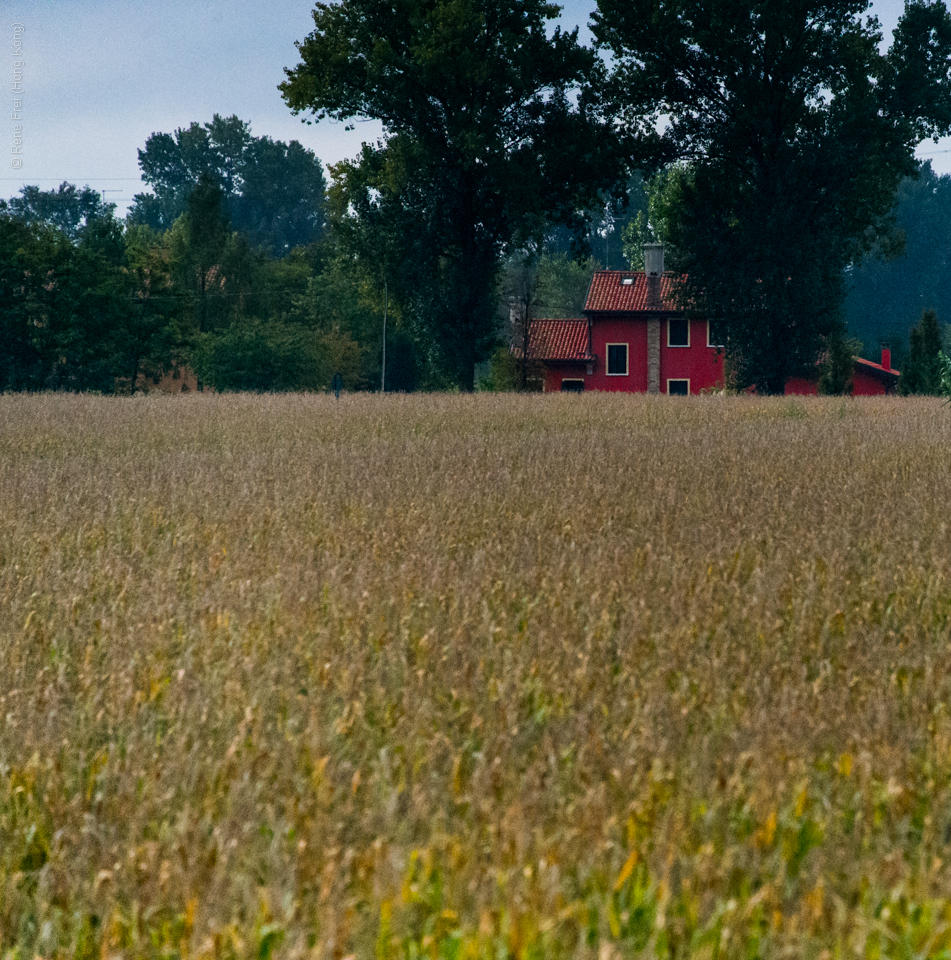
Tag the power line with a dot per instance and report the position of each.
(258, 291)
(70, 178)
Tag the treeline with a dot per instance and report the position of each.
(890, 288)
(113, 307)
(229, 271)
(226, 269)
(771, 172)
(89, 302)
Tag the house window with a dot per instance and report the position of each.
(617, 359)
(572, 386)
(627, 281)
(715, 336)
(678, 388)
(678, 332)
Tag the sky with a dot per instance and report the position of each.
(97, 77)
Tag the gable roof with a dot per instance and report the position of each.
(609, 293)
(889, 375)
(564, 340)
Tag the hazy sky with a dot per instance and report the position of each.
(99, 76)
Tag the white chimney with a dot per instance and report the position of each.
(654, 259)
(654, 268)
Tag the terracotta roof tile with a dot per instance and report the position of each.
(609, 293)
(559, 340)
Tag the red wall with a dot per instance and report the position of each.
(698, 363)
(801, 387)
(863, 385)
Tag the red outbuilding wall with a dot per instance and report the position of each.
(868, 380)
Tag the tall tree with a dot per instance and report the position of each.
(273, 192)
(198, 247)
(923, 367)
(485, 141)
(143, 344)
(797, 130)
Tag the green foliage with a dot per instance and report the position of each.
(654, 223)
(343, 298)
(118, 307)
(272, 192)
(197, 247)
(338, 352)
(68, 208)
(275, 357)
(838, 365)
(257, 356)
(504, 374)
(945, 376)
(888, 288)
(68, 316)
(922, 371)
(798, 130)
(484, 146)
(562, 285)
(606, 223)
(19, 347)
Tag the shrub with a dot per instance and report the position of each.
(260, 356)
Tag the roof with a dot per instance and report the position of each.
(564, 340)
(609, 293)
(889, 375)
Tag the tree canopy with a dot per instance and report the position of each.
(889, 288)
(795, 130)
(923, 367)
(68, 208)
(489, 136)
(273, 192)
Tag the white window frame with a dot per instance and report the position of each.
(671, 380)
(627, 359)
(710, 342)
(565, 380)
(678, 346)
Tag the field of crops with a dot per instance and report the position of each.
(475, 677)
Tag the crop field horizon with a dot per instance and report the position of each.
(474, 677)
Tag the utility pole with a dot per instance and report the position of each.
(386, 304)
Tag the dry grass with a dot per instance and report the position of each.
(474, 677)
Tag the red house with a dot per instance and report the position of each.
(868, 379)
(634, 339)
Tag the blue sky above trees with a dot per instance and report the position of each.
(101, 75)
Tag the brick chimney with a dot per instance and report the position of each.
(886, 356)
(654, 270)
